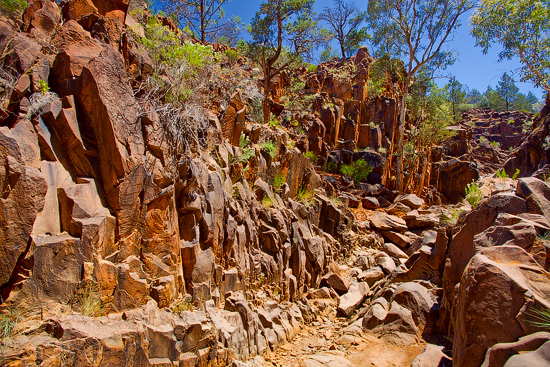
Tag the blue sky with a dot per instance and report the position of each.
(472, 68)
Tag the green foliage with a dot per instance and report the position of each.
(450, 218)
(274, 122)
(327, 55)
(267, 202)
(182, 304)
(283, 34)
(501, 173)
(311, 156)
(473, 194)
(507, 90)
(232, 56)
(244, 156)
(483, 141)
(90, 301)
(522, 28)
(43, 87)
(13, 8)
(278, 181)
(516, 174)
(331, 167)
(270, 147)
(312, 68)
(359, 170)
(305, 197)
(180, 67)
(10, 317)
(456, 95)
(345, 20)
(495, 144)
(540, 318)
(243, 141)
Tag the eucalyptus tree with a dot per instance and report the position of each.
(522, 28)
(203, 19)
(414, 31)
(456, 93)
(345, 20)
(507, 90)
(284, 33)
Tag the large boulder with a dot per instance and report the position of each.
(500, 289)
(24, 189)
(454, 175)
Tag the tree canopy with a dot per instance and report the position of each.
(415, 31)
(522, 28)
(344, 20)
(283, 32)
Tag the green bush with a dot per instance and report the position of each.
(501, 173)
(495, 144)
(305, 197)
(232, 56)
(267, 202)
(359, 171)
(516, 174)
(312, 68)
(473, 194)
(278, 181)
(331, 167)
(311, 156)
(270, 147)
(13, 8)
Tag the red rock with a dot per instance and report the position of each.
(499, 289)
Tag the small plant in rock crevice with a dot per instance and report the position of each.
(311, 156)
(473, 194)
(305, 196)
(90, 301)
(270, 147)
(501, 173)
(278, 181)
(359, 171)
(516, 174)
(267, 202)
(10, 317)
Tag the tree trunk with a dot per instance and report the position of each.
(401, 137)
(427, 160)
(266, 107)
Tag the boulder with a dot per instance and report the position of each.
(537, 194)
(500, 288)
(327, 359)
(24, 190)
(355, 296)
(370, 203)
(411, 200)
(386, 222)
(454, 175)
(398, 326)
(498, 354)
(335, 282)
(536, 358)
(432, 356)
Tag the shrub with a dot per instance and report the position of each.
(501, 173)
(305, 197)
(43, 87)
(473, 194)
(267, 202)
(311, 156)
(90, 301)
(232, 56)
(181, 305)
(331, 167)
(495, 144)
(244, 156)
(516, 174)
(9, 319)
(13, 8)
(270, 147)
(274, 122)
(312, 68)
(243, 141)
(278, 181)
(483, 141)
(450, 218)
(359, 171)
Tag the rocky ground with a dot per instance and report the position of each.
(116, 248)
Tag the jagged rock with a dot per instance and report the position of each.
(376, 314)
(537, 193)
(400, 239)
(42, 16)
(398, 209)
(454, 175)
(416, 220)
(420, 301)
(386, 222)
(371, 276)
(395, 251)
(353, 298)
(335, 282)
(385, 262)
(327, 359)
(512, 283)
(498, 354)
(370, 203)
(411, 200)
(398, 326)
(432, 356)
(537, 358)
(23, 194)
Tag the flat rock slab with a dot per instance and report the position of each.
(411, 200)
(386, 222)
(327, 359)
